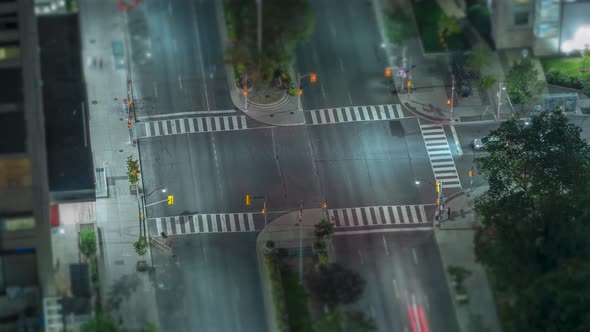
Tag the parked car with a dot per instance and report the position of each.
(480, 143)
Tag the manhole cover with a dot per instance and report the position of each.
(120, 150)
(94, 102)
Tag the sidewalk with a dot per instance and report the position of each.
(431, 77)
(455, 243)
(284, 112)
(284, 231)
(128, 295)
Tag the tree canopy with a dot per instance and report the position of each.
(335, 284)
(536, 222)
(285, 24)
(523, 82)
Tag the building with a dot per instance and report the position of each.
(45, 166)
(544, 26)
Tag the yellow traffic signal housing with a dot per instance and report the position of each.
(245, 93)
(300, 92)
(470, 173)
(409, 84)
(248, 200)
(313, 77)
(263, 211)
(324, 205)
(387, 72)
(448, 102)
(170, 200)
(437, 186)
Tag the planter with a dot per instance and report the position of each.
(269, 247)
(141, 266)
(133, 189)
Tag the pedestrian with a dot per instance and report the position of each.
(449, 213)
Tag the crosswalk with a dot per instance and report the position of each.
(208, 223)
(401, 215)
(190, 125)
(355, 114)
(439, 153)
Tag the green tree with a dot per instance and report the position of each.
(487, 81)
(88, 243)
(449, 25)
(324, 229)
(285, 25)
(334, 284)
(100, 323)
(535, 221)
(133, 170)
(141, 246)
(340, 320)
(523, 82)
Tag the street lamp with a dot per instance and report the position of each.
(161, 188)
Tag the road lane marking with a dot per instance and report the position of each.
(156, 88)
(456, 138)
(415, 256)
(179, 82)
(385, 245)
(395, 288)
(341, 65)
(438, 149)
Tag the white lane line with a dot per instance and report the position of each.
(156, 88)
(456, 138)
(385, 245)
(415, 309)
(175, 45)
(196, 27)
(361, 256)
(341, 65)
(179, 81)
(415, 256)
(395, 288)
(349, 98)
(323, 94)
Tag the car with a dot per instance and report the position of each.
(480, 143)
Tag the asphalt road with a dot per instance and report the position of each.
(346, 54)
(211, 285)
(346, 165)
(184, 71)
(403, 274)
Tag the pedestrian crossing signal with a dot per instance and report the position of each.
(387, 72)
(248, 200)
(313, 78)
(245, 93)
(409, 84)
(438, 186)
(324, 205)
(170, 200)
(470, 173)
(300, 92)
(263, 211)
(448, 102)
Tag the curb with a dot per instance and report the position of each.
(271, 322)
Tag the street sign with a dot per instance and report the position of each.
(401, 73)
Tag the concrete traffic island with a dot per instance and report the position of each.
(286, 234)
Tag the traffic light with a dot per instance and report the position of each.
(170, 200)
(245, 93)
(313, 77)
(448, 102)
(438, 186)
(300, 92)
(128, 124)
(409, 84)
(437, 201)
(470, 173)
(248, 200)
(324, 205)
(263, 211)
(387, 72)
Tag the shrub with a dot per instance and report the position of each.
(141, 246)
(88, 243)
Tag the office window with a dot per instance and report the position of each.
(521, 19)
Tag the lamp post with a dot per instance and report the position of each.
(144, 209)
(501, 87)
(452, 96)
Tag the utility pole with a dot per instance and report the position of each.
(259, 24)
(301, 242)
(452, 95)
(499, 94)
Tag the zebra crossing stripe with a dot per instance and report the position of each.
(370, 216)
(234, 121)
(331, 115)
(356, 114)
(440, 156)
(314, 119)
(398, 107)
(232, 225)
(251, 221)
(243, 118)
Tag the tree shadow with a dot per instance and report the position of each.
(120, 290)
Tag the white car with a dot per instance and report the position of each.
(480, 143)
